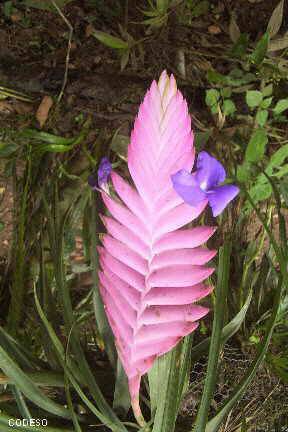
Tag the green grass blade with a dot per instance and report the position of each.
(28, 387)
(228, 331)
(167, 392)
(215, 344)
(214, 424)
(100, 316)
(41, 378)
(18, 352)
(56, 234)
(22, 406)
(115, 425)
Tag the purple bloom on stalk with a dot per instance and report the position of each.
(103, 174)
(204, 184)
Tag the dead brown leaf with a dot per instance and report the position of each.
(89, 30)
(214, 29)
(6, 107)
(43, 110)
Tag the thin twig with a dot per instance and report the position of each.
(68, 49)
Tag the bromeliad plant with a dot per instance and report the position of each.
(152, 268)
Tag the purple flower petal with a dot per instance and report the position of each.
(219, 197)
(104, 172)
(210, 172)
(187, 187)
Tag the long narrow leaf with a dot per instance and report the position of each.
(214, 424)
(228, 331)
(215, 343)
(28, 387)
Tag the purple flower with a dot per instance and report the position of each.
(205, 184)
(103, 174)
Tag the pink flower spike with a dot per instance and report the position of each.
(152, 266)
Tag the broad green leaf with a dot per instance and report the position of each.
(261, 117)
(268, 90)
(281, 106)
(228, 107)
(110, 41)
(276, 19)
(277, 158)
(244, 172)
(212, 97)
(215, 343)
(226, 92)
(253, 98)
(260, 50)
(256, 146)
(228, 331)
(266, 102)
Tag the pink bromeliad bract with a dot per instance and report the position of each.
(152, 269)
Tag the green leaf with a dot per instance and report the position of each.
(121, 401)
(244, 172)
(2, 226)
(119, 144)
(7, 150)
(110, 41)
(216, 343)
(164, 387)
(215, 422)
(256, 146)
(277, 159)
(200, 9)
(228, 107)
(260, 50)
(228, 331)
(212, 97)
(268, 90)
(241, 45)
(282, 105)
(266, 102)
(253, 98)
(46, 137)
(226, 92)
(8, 8)
(28, 387)
(261, 117)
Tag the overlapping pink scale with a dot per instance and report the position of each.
(152, 267)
